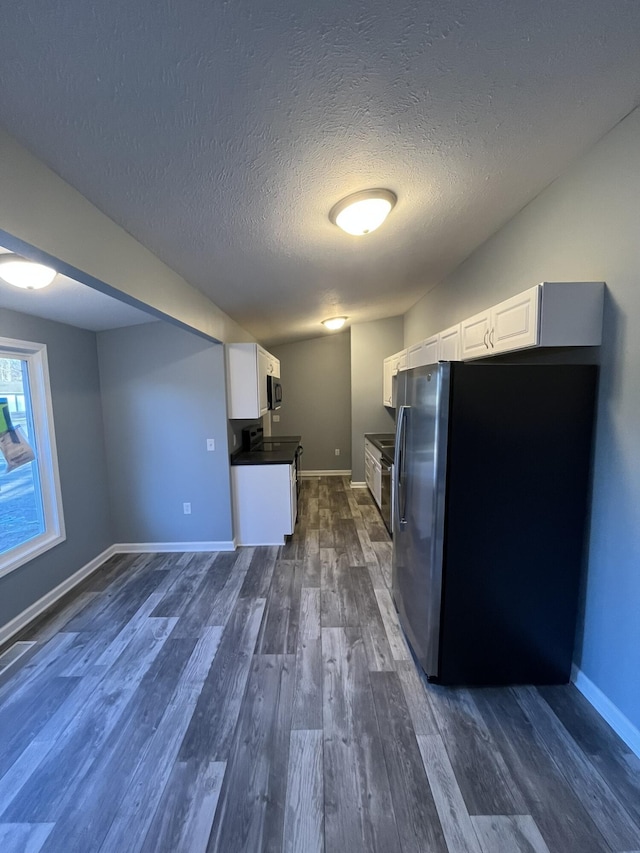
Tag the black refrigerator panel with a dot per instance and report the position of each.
(495, 520)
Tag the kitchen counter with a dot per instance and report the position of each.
(378, 439)
(274, 450)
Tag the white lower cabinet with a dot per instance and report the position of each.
(264, 501)
(373, 470)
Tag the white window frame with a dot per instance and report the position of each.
(46, 457)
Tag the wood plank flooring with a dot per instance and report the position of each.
(267, 700)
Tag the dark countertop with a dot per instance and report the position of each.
(376, 437)
(275, 450)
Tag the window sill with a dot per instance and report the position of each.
(17, 557)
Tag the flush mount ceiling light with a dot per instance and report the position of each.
(24, 273)
(334, 323)
(363, 212)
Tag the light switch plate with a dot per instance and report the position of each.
(211, 444)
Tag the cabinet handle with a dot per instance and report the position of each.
(486, 335)
(491, 337)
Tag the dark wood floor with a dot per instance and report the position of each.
(266, 700)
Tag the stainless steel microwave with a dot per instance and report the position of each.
(274, 392)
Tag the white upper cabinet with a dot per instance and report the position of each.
(398, 362)
(391, 366)
(387, 381)
(273, 365)
(449, 344)
(551, 314)
(474, 335)
(424, 352)
(248, 366)
(508, 326)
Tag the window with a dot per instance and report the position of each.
(31, 519)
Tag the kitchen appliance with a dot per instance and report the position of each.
(491, 489)
(386, 466)
(263, 449)
(274, 393)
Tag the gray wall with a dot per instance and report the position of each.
(163, 395)
(584, 227)
(77, 412)
(39, 211)
(316, 382)
(371, 343)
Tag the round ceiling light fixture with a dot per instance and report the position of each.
(21, 272)
(334, 323)
(363, 212)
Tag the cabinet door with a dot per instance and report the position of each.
(273, 366)
(449, 344)
(261, 499)
(515, 322)
(263, 369)
(376, 489)
(402, 360)
(474, 336)
(387, 376)
(294, 498)
(425, 352)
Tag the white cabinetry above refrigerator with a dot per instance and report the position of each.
(551, 314)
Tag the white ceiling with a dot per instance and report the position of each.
(68, 301)
(219, 134)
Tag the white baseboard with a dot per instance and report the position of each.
(621, 725)
(345, 473)
(38, 607)
(358, 485)
(172, 547)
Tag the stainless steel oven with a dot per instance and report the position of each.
(386, 496)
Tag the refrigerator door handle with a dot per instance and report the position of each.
(399, 467)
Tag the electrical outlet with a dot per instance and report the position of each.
(276, 419)
(211, 444)
(337, 451)
(186, 508)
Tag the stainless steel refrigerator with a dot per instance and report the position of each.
(491, 495)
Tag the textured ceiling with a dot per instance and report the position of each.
(219, 134)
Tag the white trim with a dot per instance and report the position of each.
(332, 473)
(356, 485)
(49, 599)
(172, 547)
(621, 725)
(54, 533)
